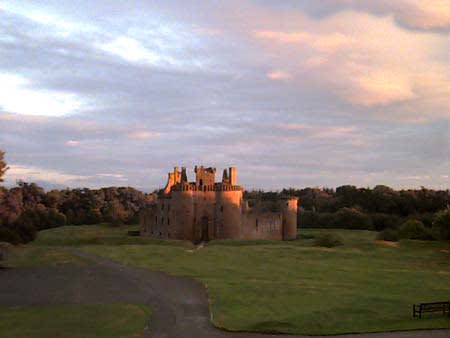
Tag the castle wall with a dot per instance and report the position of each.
(262, 225)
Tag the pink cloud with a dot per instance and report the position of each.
(278, 75)
(142, 135)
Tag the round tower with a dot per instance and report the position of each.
(182, 212)
(228, 212)
(289, 215)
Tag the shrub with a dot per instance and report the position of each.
(326, 220)
(388, 234)
(441, 225)
(426, 218)
(308, 219)
(305, 236)
(414, 229)
(7, 235)
(352, 218)
(327, 240)
(382, 221)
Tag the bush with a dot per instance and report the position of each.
(441, 225)
(414, 229)
(7, 235)
(327, 240)
(385, 221)
(426, 218)
(388, 234)
(308, 219)
(326, 220)
(352, 218)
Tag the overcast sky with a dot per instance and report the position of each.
(294, 93)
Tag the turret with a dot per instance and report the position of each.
(183, 175)
(233, 175)
(289, 216)
(225, 179)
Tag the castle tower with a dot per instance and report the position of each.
(183, 175)
(225, 179)
(233, 175)
(289, 215)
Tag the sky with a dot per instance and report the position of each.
(293, 93)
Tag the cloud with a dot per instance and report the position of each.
(277, 75)
(72, 143)
(142, 135)
(429, 15)
(380, 88)
(284, 37)
(31, 173)
(369, 63)
(130, 49)
(17, 95)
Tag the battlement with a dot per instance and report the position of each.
(204, 180)
(215, 187)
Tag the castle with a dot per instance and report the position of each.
(205, 210)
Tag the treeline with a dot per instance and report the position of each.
(379, 208)
(27, 208)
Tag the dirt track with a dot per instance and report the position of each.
(180, 304)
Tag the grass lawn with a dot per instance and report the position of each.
(294, 287)
(74, 321)
(33, 255)
(92, 234)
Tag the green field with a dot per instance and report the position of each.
(74, 321)
(293, 287)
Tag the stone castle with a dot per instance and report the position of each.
(206, 210)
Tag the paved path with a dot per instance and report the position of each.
(180, 304)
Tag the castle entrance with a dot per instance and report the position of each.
(205, 229)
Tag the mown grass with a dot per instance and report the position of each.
(102, 234)
(294, 287)
(32, 255)
(74, 321)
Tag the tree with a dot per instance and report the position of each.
(441, 224)
(3, 166)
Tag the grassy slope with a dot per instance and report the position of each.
(73, 321)
(31, 255)
(296, 288)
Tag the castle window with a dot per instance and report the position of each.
(221, 208)
(257, 223)
(201, 182)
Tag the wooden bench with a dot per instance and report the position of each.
(431, 307)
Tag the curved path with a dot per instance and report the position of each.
(180, 304)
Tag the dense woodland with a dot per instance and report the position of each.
(423, 214)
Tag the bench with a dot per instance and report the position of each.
(431, 307)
